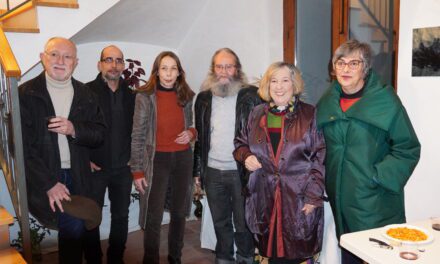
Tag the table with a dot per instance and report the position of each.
(358, 244)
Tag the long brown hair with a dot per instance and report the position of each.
(184, 92)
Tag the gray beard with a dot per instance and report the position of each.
(222, 90)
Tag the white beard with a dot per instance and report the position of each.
(222, 90)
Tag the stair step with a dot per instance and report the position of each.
(58, 3)
(5, 220)
(24, 20)
(5, 217)
(11, 256)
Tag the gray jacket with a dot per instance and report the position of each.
(143, 145)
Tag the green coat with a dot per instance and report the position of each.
(372, 150)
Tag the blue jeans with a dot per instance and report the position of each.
(223, 188)
(119, 182)
(70, 229)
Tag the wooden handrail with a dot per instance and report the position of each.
(7, 58)
(19, 10)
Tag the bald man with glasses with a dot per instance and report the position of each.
(61, 121)
(109, 163)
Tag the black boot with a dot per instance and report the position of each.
(172, 260)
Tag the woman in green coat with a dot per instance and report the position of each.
(372, 148)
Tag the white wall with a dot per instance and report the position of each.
(420, 95)
(253, 29)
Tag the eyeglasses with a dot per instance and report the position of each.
(55, 56)
(110, 60)
(352, 65)
(220, 67)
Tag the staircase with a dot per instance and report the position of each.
(28, 29)
(24, 18)
(8, 255)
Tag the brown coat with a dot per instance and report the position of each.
(143, 145)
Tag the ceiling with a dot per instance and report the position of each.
(154, 22)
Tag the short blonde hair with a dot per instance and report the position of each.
(295, 76)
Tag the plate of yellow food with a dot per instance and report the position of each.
(407, 234)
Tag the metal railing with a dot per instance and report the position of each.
(11, 145)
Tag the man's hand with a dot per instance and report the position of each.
(140, 185)
(184, 137)
(308, 208)
(252, 164)
(94, 167)
(62, 126)
(56, 194)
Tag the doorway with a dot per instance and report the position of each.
(313, 29)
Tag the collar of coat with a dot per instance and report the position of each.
(38, 88)
(378, 105)
(104, 86)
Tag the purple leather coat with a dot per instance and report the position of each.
(300, 170)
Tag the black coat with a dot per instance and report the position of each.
(40, 146)
(101, 156)
(247, 98)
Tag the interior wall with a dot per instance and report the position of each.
(253, 29)
(420, 96)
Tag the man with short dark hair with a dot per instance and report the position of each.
(221, 109)
(61, 121)
(109, 163)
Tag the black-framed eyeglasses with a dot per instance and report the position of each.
(110, 60)
(352, 65)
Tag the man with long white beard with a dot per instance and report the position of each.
(221, 109)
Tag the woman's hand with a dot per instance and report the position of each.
(140, 185)
(308, 208)
(252, 164)
(184, 138)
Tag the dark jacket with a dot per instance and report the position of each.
(41, 152)
(247, 98)
(299, 169)
(372, 150)
(101, 156)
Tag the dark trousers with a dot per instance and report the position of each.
(172, 171)
(286, 261)
(119, 183)
(223, 188)
(348, 258)
(70, 229)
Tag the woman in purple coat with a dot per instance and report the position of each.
(284, 153)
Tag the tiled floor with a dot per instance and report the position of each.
(192, 253)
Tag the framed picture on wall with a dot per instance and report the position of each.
(426, 52)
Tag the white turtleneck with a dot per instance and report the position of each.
(61, 94)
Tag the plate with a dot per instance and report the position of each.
(428, 240)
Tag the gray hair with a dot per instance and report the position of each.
(354, 46)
